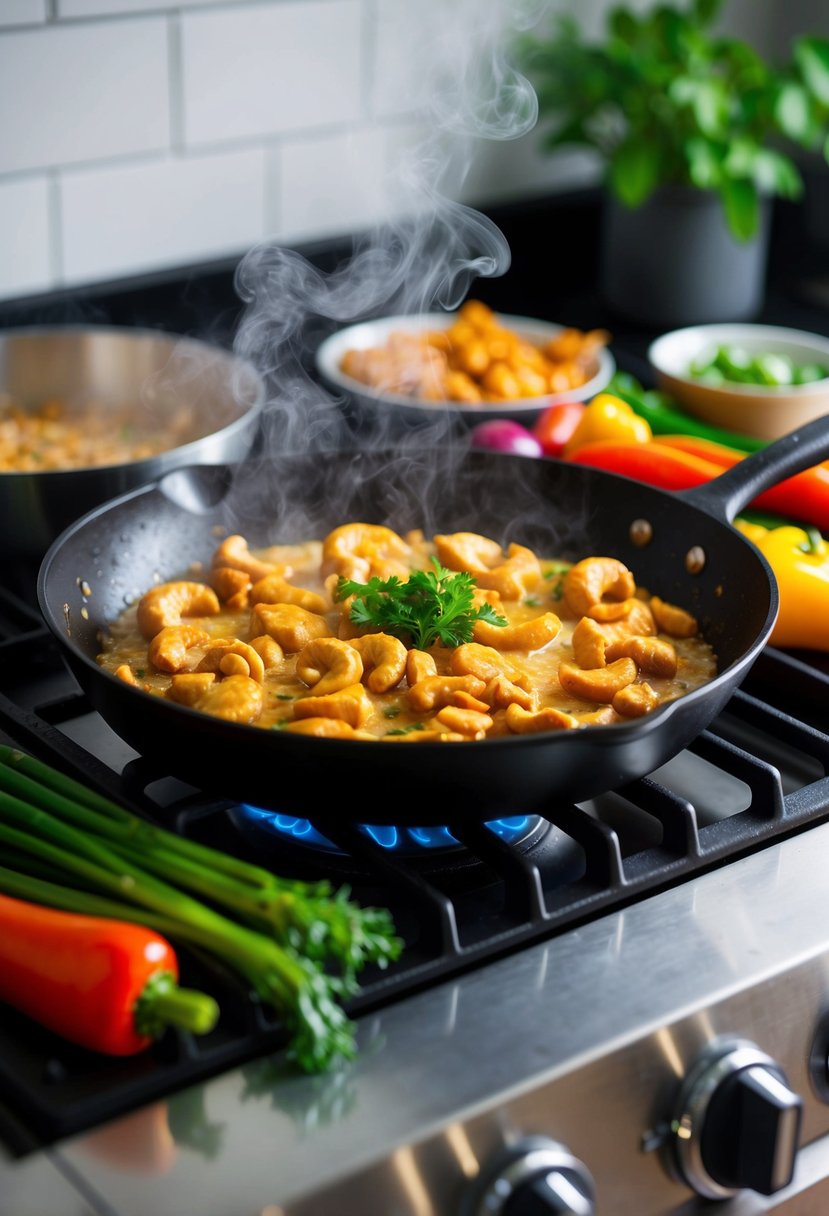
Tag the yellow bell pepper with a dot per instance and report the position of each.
(800, 561)
(608, 417)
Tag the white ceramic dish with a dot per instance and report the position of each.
(375, 333)
(749, 409)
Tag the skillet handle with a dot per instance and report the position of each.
(727, 494)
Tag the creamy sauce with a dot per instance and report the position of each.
(390, 714)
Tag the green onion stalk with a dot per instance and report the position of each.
(68, 847)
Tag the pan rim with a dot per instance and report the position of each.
(634, 729)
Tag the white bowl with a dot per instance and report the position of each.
(368, 334)
(749, 409)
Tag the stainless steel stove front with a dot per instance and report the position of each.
(583, 1040)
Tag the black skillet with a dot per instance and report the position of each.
(680, 546)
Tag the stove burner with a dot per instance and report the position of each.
(513, 829)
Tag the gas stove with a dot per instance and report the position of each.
(563, 977)
(620, 1007)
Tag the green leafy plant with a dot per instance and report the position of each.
(664, 100)
(431, 606)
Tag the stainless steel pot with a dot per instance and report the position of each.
(147, 371)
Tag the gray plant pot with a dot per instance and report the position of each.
(673, 261)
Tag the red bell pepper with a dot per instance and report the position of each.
(104, 984)
(679, 462)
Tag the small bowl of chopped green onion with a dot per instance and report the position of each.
(760, 380)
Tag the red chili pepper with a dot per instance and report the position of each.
(685, 462)
(656, 466)
(105, 984)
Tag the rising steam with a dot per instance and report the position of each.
(427, 249)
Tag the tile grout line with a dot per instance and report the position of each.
(175, 79)
(54, 205)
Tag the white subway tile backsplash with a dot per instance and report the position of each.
(82, 92)
(180, 130)
(333, 184)
(140, 218)
(258, 69)
(22, 12)
(25, 264)
(112, 8)
(405, 37)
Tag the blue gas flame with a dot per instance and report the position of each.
(391, 838)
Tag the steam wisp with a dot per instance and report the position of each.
(422, 256)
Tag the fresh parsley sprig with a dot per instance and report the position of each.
(431, 606)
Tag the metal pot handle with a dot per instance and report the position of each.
(727, 494)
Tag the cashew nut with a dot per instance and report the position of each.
(652, 655)
(433, 692)
(384, 660)
(125, 673)
(590, 580)
(635, 700)
(467, 722)
(599, 683)
(329, 664)
(190, 688)
(273, 589)
(524, 722)
(529, 635)
(288, 624)
(500, 692)
(465, 700)
(233, 658)
(485, 662)
(360, 551)
(236, 698)
(596, 643)
(674, 621)
(419, 664)
(234, 552)
(168, 649)
(634, 620)
(167, 603)
(231, 586)
(350, 704)
(325, 728)
(269, 650)
(511, 576)
(589, 644)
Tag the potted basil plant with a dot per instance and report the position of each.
(697, 133)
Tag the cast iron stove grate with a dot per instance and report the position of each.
(765, 756)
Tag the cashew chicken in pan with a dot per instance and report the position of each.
(367, 634)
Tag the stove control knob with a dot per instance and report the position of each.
(737, 1122)
(533, 1177)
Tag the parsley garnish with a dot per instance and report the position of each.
(431, 606)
